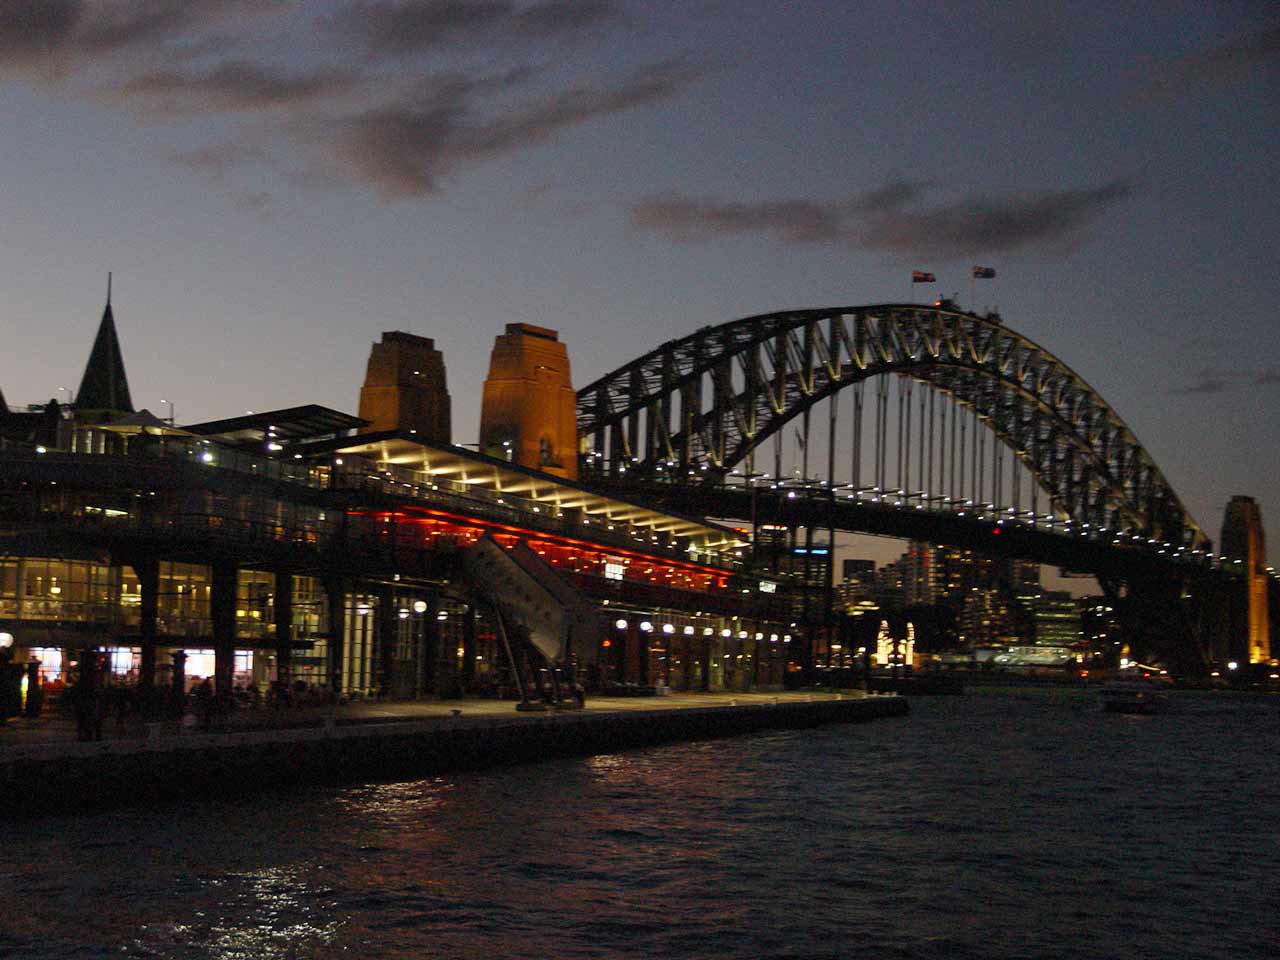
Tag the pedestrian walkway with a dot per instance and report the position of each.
(53, 727)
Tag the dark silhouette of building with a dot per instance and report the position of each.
(104, 388)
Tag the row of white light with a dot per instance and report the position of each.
(646, 626)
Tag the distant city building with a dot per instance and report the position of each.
(856, 593)
(985, 618)
(1056, 620)
(855, 568)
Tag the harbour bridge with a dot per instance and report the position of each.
(955, 429)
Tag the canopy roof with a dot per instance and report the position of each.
(290, 425)
(460, 465)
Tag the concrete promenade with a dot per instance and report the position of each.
(54, 727)
(45, 770)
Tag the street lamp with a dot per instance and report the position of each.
(170, 403)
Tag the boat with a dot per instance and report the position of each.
(1134, 695)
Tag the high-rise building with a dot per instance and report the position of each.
(985, 618)
(1055, 618)
(856, 593)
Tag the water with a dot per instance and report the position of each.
(1019, 824)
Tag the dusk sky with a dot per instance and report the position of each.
(275, 184)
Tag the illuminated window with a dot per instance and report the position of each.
(50, 662)
(199, 663)
(121, 660)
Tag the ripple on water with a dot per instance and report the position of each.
(982, 826)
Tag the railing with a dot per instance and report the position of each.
(359, 474)
(1007, 517)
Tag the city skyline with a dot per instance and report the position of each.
(273, 192)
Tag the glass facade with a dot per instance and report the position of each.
(74, 591)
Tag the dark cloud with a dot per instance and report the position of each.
(562, 16)
(399, 29)
(685, 219)
(234, 85)
(1209, 380)
(983, 225)
(48, 35)
(791, 221)
(1227, 65)
(355, 113)
(35, 32)
(404, 150)
(259, 203)
(888, 219)
(216, 160)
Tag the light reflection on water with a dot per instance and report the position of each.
(1020, 825)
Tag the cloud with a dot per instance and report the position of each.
(1211, 380)
(1207, 381)
(403, 150)
(402, 29)
(35, 32)
(234, 85)
(329, 98)
(888, 218)
(790, 221)
(217, 159)
(988, 225)
(1227, 65)
(49, 36)
(256, 202)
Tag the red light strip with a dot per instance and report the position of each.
(538, 535)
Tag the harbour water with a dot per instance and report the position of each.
(1022, 823)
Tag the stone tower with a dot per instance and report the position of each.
(1243, 538)
(404, 388)
(529, 412)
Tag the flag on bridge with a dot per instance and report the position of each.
(984, 273)
(919, 276)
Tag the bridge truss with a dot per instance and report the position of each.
(697, 408)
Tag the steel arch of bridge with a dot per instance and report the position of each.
(703, 403)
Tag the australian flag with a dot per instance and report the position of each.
(984, 273)
(919, 276)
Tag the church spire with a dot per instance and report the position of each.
(104, 385)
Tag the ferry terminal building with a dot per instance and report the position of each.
(364, 555)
